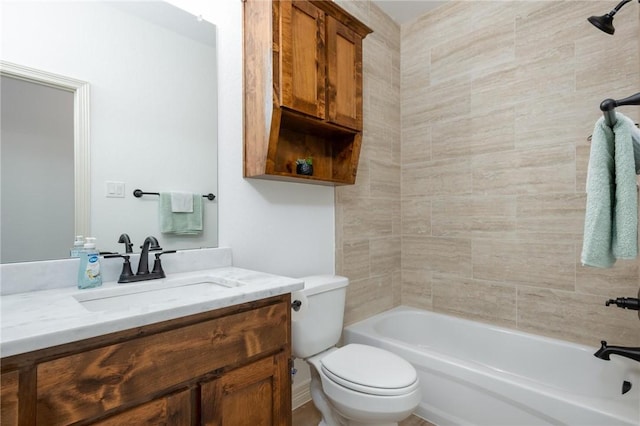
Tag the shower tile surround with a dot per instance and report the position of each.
(470, 196)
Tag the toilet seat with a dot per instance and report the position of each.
(370, 370)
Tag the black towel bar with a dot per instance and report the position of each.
(139, 193)
(608, 107)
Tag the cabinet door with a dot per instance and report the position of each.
(172, 410)
(258, 394)
(302, 58)
(344, 75)
(9, 398)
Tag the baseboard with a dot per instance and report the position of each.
(300, 394)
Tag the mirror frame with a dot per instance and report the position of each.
(81, 147)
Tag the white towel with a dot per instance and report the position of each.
(181, 202)
(180, 223)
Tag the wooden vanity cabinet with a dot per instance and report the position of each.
(302, 89)
(229, 366)
(9, 398)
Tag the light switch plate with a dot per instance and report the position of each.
(114, 189)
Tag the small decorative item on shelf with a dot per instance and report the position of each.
(304, 166)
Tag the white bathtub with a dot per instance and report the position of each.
(479, 374)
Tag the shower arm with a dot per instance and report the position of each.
(619, 6)
(608, 107)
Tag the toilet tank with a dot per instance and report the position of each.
(317, 326)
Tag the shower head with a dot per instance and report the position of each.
(605, 22)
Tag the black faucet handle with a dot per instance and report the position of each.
(113, 255)
(126, 267)
(157, 264)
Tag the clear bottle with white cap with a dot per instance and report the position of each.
(78, 246)
(89, 274)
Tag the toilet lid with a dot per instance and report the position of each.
(370, 370)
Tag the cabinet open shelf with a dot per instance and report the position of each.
(333, 150)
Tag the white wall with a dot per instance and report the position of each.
(276, 227)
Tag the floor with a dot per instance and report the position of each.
(307, 415)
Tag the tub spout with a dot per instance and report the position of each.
(627, 352)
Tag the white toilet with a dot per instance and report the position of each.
(355, 384)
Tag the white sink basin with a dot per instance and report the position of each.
(148, 293)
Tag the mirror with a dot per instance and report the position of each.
(150, 69)
(39, 140)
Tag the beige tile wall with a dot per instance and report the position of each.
(470, 191)
(368, 225)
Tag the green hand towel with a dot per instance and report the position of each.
(611, 219)
(180, 223)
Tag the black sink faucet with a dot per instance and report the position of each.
(150, 244)
(627, 352)
(143, 274)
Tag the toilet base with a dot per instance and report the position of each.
(322, 423)
(330, 416)
(320, 400)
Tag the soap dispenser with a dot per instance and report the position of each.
(89, 272)
(78, 246)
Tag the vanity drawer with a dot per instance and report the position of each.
(84, 385)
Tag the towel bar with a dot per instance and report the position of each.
(139, 193)
(608, 107)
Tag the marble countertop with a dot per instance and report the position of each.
(40, 319)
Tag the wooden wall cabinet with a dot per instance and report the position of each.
(303, 90)
(303, 59)
(225, 367)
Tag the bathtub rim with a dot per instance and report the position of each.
(500, 328)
